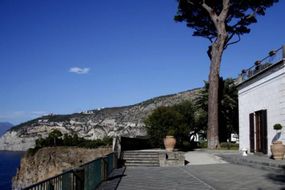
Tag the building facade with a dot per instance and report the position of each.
(261, 96)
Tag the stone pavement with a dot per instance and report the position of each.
(157, 178)
(261, 162)
(236, 177)
(202, 158)
(208, 172)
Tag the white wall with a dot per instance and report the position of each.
(266, 93)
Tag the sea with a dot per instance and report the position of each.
(9, 162)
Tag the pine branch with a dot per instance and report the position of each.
(234, 42)
(226, 6)
(211, 12)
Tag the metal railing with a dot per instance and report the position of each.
(117, 145)
(274, 56)
(88, 176)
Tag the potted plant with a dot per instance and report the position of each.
(277, 147)
(277, 127)
(272, 52)
(257, 63)
(169, 140)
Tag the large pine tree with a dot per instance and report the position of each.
(222, 22)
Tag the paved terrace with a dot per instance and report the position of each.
(205, 171)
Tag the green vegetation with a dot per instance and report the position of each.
(223, 145)
(55, 138)
(176, 120)
(229, 146)
(57, 118)
(203, 144)
(20, 126)
(181, 119)
(49, 118)
(228, 108)
(277, 126)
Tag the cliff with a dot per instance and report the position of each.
(51, 161)
(93, 124)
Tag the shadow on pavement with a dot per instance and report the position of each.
(277, 178)
(113, 180)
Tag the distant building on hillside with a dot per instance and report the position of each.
(261, 96)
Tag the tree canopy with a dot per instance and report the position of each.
(228, 108)
(202, 15)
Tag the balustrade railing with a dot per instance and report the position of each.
(274, 56)
(86, 177)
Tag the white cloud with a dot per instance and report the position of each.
(78, 70)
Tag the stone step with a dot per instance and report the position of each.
(140, 153)
(140, 156)
(141, 165)
(141, 159)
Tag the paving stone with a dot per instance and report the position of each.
(219, 176)
(156, 178)
(235, 177)
(261, 162)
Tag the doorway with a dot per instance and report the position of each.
(258, 131)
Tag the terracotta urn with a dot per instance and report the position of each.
(169, 143)
(278, 150)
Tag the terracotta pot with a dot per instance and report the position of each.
(169, 143)
(278, 150)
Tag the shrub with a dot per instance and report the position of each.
(32, 151)
(203, 144)
(55, 139)
(177, 121)
(162, 120)
(229, 146)
(277, 126)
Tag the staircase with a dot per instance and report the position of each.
(136, 158)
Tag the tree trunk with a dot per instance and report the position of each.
(213, 111)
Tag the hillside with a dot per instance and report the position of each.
(94, 124)
(4, 126)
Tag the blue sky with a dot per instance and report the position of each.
(65, 56)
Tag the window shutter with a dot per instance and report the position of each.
(251, 131)
(264, 131)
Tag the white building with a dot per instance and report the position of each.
(261, 95)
